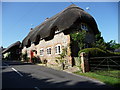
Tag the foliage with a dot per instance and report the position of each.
(110, 53)
(61, 57)
(93, 52)
(36, 60)
(79, 38)
(64, 53)
(112, 45)
(99, 42)
(97, 52)
(100, 47)
(24, 56)
(44, 61)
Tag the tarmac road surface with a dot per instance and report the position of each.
(19, 75)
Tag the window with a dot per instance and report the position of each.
(41, 52)
(58, 49)
(49, 50)
(57, 31)
(84, 27)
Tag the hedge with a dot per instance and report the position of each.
(96, 52)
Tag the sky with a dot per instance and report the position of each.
(19, 17)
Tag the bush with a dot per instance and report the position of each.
(96, 52)
(44, 61)
(113, 53)
(36, 60)
(93, 52)
(24, 56)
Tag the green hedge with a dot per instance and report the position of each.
(96, 52)
(113, 53)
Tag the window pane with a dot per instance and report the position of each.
(49, 50)
(58, 49)
(55, 49)
(41, 52)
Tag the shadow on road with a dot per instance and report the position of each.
(28, 81)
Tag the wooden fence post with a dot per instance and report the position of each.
(84, 62)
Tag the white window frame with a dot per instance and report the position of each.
(49, 52)
(84, 26)
(57, 51)
(41, 52)
(57, 31)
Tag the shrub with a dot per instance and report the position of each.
(93, 52)
(27, 59)
(113, 53)
(24, 56)
(79, 38)
(44, 61)
(36, 60)
(96, 52)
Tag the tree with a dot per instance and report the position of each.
(112, 45)
(99, 42)
(79, 38)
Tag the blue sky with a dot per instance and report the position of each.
(19, 17)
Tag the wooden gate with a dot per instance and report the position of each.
(105, 65)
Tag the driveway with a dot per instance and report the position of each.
(19, 75)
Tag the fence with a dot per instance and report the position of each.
(105, 65)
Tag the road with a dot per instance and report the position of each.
(18, 75)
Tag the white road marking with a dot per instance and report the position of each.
(36, 88)
(17, 72)
(14, 69)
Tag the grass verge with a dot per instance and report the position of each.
(112, 81)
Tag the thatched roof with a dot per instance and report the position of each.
(12, 46)
(62, 21)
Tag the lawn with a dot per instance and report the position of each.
(112, 81)
(112, 73)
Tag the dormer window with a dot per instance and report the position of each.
(57, 31)
(84, 26)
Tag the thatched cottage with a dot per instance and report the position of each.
(12, 52)
(48, 39)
